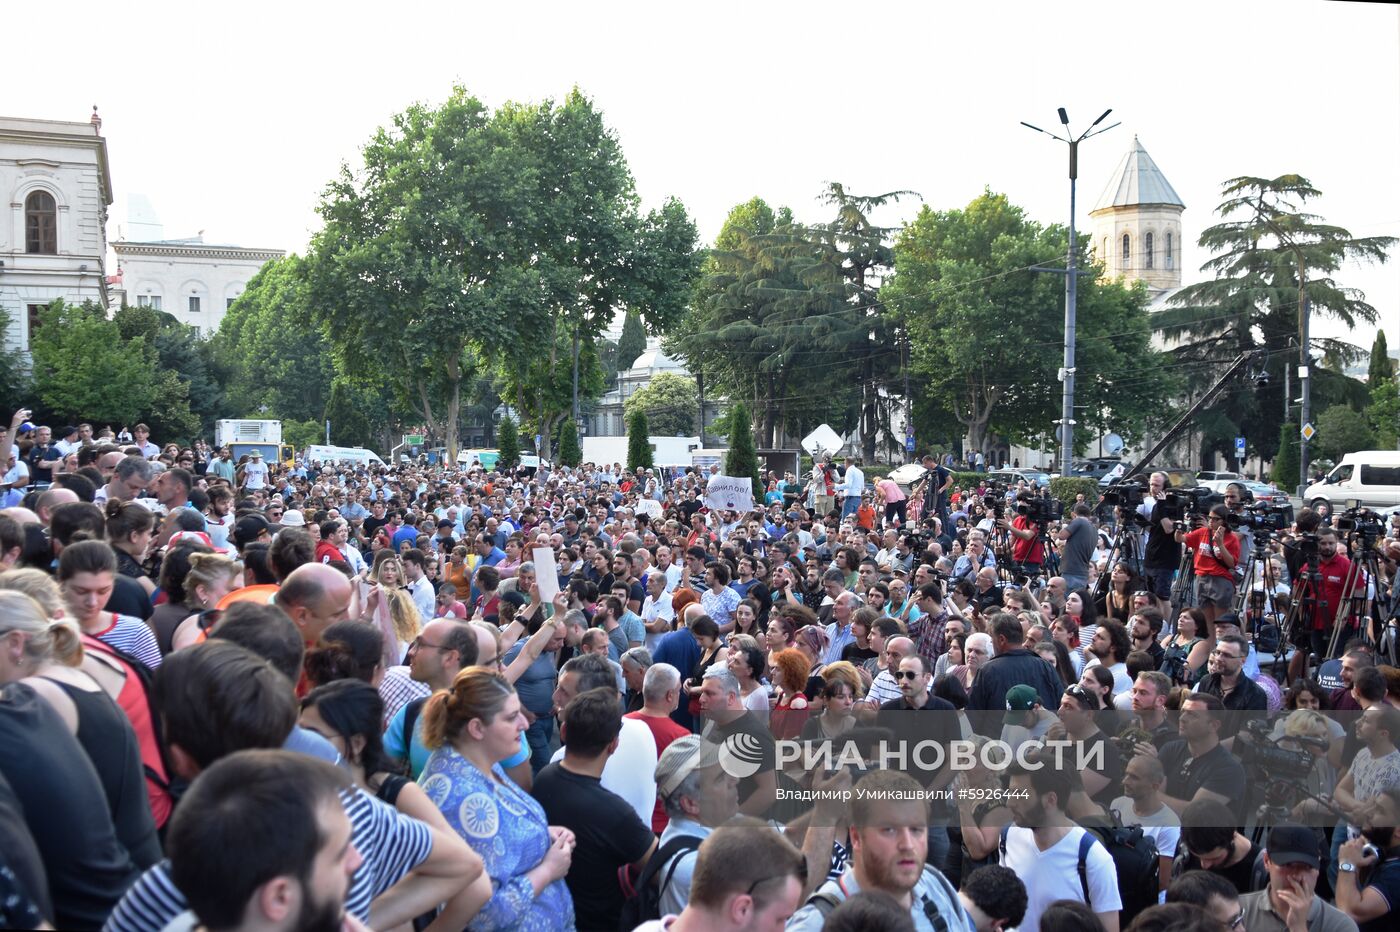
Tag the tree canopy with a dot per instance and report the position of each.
(671, 403)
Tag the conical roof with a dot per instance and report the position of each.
(1137, 180)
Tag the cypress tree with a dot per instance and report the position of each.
(638, 442)
(507, 445)
(742, 460)
(632, 342)
(1285, 470)
(569, 453)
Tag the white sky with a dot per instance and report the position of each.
(231, 117)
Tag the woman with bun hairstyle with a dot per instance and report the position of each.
(347, 650)
(472, 727)
(130, 530)
(44, 653)
(211, 577)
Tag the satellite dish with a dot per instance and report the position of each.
(822, 441)
(1113, 444)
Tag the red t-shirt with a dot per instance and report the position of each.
(664, 730)
(1026, 551)
(1204, 558)
(1334, 573)
(327, 552)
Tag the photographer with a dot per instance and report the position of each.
(1325, 591)
(1161, 553)
(1078, 537)
(1027, 551)
(1215, 552)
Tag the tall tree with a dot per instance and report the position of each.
(671, 403)
(985, 329)
(1285, 466)
(865, 254)
(1341, 430)
(638, 441)
(569, 452)
(633, 341)
(16, 391)
(1265, 250)
(742, 460)
(84, 369)
(507, 444)
(189, 394)
(1382, 367)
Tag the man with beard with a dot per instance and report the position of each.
(889, 848)
(1371, 904)
(262, 841)
(1045, 848)
(1110, 646)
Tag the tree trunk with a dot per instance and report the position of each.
(454, 407)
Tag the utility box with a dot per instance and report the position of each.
(245, 436)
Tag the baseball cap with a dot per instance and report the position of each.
(1228, 618)
(445, 523)
(515, 597)
(1290, 843)
(1020, 698)
(248, 529)
(293, 518)
(65, 431)
(681, 758)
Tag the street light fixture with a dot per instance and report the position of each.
(1071, 274)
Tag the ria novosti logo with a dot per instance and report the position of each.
(741, 755)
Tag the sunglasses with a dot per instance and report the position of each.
(907, 675)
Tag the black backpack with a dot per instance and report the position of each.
(642, 895)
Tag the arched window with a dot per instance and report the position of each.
(1125, 250)
(1147, 250)
(1105, 249)
(41, 224)
(1169, 251)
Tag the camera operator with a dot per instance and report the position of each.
(1215, 553)
(1079, 538)
(1325, 590)
(1027, 552)
(1161, 553)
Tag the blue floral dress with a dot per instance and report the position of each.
(508, 829)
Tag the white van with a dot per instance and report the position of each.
(1370, 477)
(357, 455)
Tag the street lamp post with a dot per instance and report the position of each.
(1071, 273)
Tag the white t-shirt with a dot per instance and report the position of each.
(1122, 683)
(631, 771)
(1161, 826)
(653, 609)
(1053, 874)
(255, 474)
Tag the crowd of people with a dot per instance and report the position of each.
(244, 695)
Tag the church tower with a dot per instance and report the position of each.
(1136, 224)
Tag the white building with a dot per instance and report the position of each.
(53, 240)
(607, 418)
(1136, 224)
(194, 281)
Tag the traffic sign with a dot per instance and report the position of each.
(413, 440)
(909, 443)
(1239, 447)
(1309, 431)
(539, 439)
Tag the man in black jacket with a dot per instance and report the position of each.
(1011, 666)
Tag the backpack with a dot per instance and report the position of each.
(642, 895)
(825, 902)
(1135, 864)
(410, 720)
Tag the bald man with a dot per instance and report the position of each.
(315, 596)
(50, 500)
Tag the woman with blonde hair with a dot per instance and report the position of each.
(31, 645)
(471, 727)
(211, 577)
(391, 606)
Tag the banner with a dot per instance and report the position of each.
(649, 506)
(729, 493)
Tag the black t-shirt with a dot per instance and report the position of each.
(20, 855)
(1162, 551)
(910, 726)
(1217, 771)
(40, 467)
(128, 598)
(689, 507)
(1240, 874)
(759, 742)
(372, 525)
(1113, 766)
(65, 808)
(1385, 877)
(609, 835)
(857, 654)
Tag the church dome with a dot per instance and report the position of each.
(655, 359)
(1137, 181)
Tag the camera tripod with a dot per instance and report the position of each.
(1124, 550)
(1355, 608)
(1279, 797)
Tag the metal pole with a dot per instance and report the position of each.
(1305, 382)
(575, 405)
(1071, 296)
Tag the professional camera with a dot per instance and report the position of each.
(1369, 524)
(1039, 511)
(1260, 754)
(1200, 500)
(1259, 517)
(1129, 495)
(1129, 738)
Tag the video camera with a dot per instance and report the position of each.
(1364, 521)
(1260, 753)
(1259, 517)
(1039, 510)
(1130, 495)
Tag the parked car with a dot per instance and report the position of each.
(1095, 468)
(1370, 477)
(1216, 480)
(1012, 475)
(1263, 492)
(1178, 477)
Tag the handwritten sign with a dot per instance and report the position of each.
(729, 493)
(649, 506)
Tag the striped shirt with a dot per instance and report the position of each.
(390, 844)
(131, 636)
(398, 688)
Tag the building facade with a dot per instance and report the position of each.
(607, 418)
(53, 237)
(194, 281)
(1136, 224)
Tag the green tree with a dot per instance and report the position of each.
(1285, 466)
(1262, 245)
(1382, 367)
(507, 444)
(347, 408)
(302, 434)
(83, 369)
(742, 460)
(188, 394)
(633, 341)
(638, 441)
(985, 330)
(768, 324)
(1383, 412)
(472, 236)
(670, 402)
(1340, 430)
(270, 353)
(569, 452)
(16, 390)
